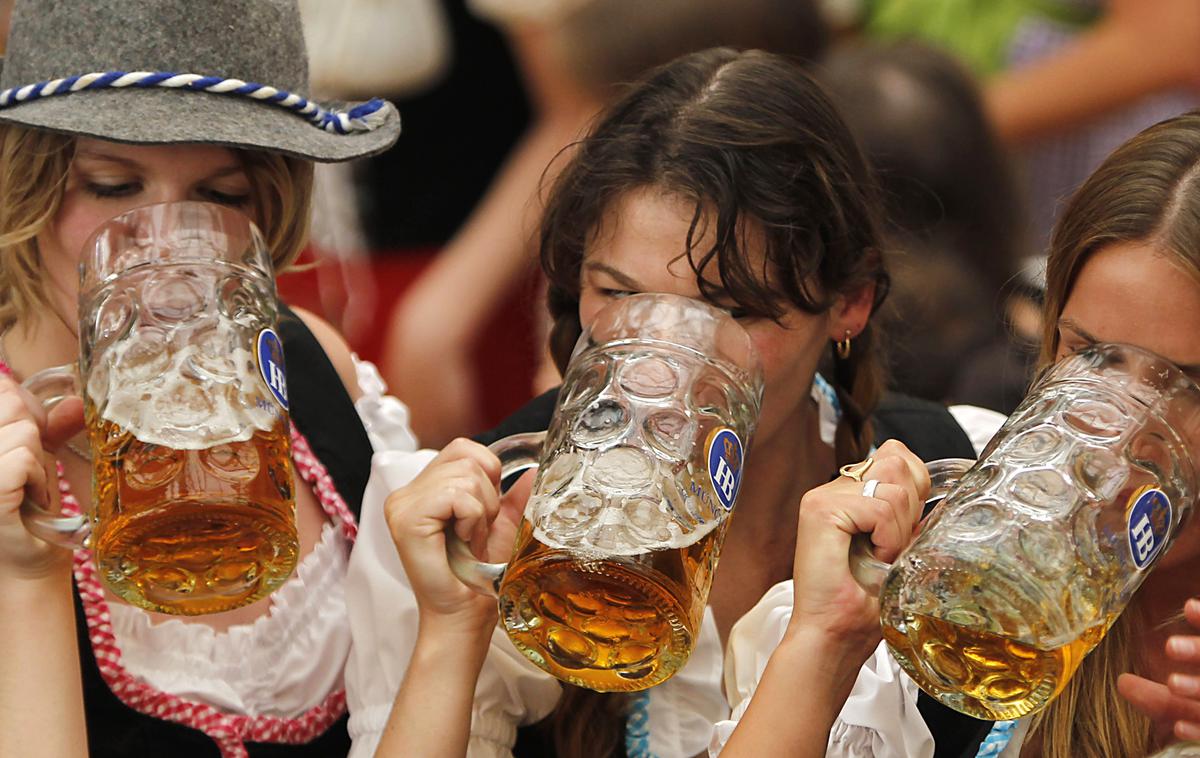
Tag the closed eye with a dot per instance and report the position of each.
(615, 293)
(124, 189)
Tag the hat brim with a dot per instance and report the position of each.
(158, 117)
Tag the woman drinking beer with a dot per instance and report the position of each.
(108, 106)
(1124, 267)
(728, 177)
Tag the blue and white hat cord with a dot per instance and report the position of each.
(361, 118)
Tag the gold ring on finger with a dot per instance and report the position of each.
(856, 470)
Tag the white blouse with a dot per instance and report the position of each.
(512, 692)
(290, 659)
(880, 717)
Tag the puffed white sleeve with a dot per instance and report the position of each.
(383, 623)
(880, 718)
(980, 424)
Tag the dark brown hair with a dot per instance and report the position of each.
(748, 139)
(1147, 191)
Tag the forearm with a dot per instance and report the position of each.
(802, 690)
(41, 692)
(431, 715)
(1134, 51)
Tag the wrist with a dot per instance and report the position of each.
(456, 629)
(26, 588)
(832, 659)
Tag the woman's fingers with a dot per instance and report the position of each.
(1158, 701)
(21, 475)
(894, 520)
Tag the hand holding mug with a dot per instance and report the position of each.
(459, 489)
(25, 431)
(883, 499)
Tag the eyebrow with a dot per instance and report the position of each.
(233, 168)
(620, 277)
(1066, 323)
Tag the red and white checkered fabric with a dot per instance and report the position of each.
(229, 731)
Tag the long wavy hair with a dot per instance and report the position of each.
(1147, 191)
(33, 175)
(747, 138)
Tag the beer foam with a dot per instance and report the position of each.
(608, 530)
(206, 392)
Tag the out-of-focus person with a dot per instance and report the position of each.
(1066, 80)
(953, 220)
(394, 47)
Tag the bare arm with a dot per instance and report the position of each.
(835, 622)
(778, 721)
(431, 715)
(432, 710)
(41, 692)
(435, 325)
(1139, 47)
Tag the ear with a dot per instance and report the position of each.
(851, 311)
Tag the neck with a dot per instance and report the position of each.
(780, 469)
(38, 342)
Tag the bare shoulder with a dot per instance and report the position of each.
(335, 347)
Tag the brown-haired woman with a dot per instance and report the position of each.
(1124, 266)
(729, 177)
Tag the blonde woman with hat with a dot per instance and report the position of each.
(106, 105)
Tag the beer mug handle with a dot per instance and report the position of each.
(517, 453)
(869, 571)
(52, 386)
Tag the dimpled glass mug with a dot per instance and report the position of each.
(638, 474)
(186, 410)
(1038, 546)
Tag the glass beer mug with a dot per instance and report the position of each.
(185, 403)
(637, 478)
(1038, 546)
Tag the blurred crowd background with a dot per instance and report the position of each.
(979, 116)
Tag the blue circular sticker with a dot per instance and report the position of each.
(724, 454)
(1149, 525)
(270, 363)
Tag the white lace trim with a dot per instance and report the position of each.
(284, 663)
(384, 417)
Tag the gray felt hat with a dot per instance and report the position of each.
(224, 72)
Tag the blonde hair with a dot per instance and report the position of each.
(33, 173)
(1148, 190)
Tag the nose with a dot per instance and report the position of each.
(169, 192)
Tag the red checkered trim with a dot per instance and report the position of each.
(229, 731)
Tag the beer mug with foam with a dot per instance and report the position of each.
(637, 478)
(1038, 547)
(185, 402)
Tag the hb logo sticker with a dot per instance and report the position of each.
(724, 454)
(1149, 524)
(270, 363)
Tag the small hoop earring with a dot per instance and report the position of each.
(843, 346)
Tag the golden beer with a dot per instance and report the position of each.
(613, 623)
(981, 674)
(192, 531)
